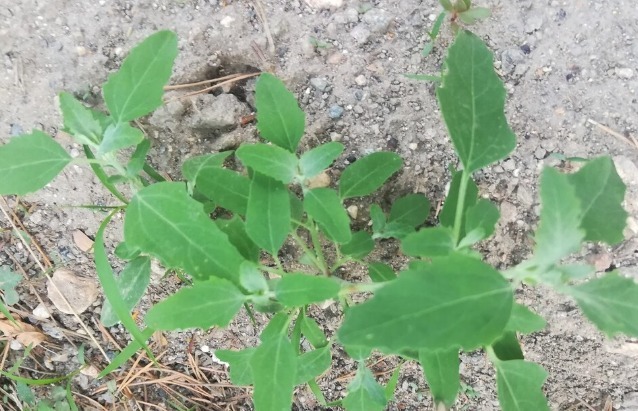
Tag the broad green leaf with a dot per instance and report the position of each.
(268, 213)
(378, 219)
(239, 361)
(194, 166)
(312, 364)
(610, 302)
(226, 188)
(472, 99)
(451, 301)
(137, 87)
(324, 206)
(474, 14)
(525, 320)
(214, 302)
(428, 242)
(441, 369)
(507, 347)
(279, 118)
(601, 193)
(272, 161)
(29, 162)
(235, 229)
(448, 212)
(296, 290)
(118, 136)
(274, 368)
(251, 278)
(132, 283)
(311, 330)
(412, 210)
(368, 174)
(364, 392)
(359, 246)
(164, 221)
(520, 386)
(79, 120)
(380, 272)
(392, 383)
(314, 161)
(482, 217)
(138, 159)
(8, 282)
(558, 233)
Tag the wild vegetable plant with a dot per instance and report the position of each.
(444, 302)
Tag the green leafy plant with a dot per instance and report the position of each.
(444, 302)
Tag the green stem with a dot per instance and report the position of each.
(305, 249)
(460, 205)
(148, 169)
(316, 243)
(353, 288)
(98, 169)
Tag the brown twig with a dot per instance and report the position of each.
(259, 9)
(223, 83)
(627, 140)
(199, 83)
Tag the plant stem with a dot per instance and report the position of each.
(460, 205)
(305, 249)
(316, 243)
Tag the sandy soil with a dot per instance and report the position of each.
(563, 63)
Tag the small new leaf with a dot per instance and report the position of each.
(273, 161)
(368, 174)
(314, 161)
(79, 120)
(296, 290)
(428, 242)
(441, 369)
(194, 166)
(226, 188)
(364, 392)
(411, 210)
(359, 246)
(520, 385)
(132, 283)
(324, 206)
(239, 361)
(118, 136)
(8, 282)
(268, 213)
(525, 320)
(312, 364)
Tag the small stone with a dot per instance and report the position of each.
(67, 286)
(540, 153)
(15, 345)
(40, 312)
(335, 112)
(534, 23)
(318, 181)
(413, 146)
(319, 83)
(325, 4)
(82, 241)
(205, 348)
(214, 114)
(361, 80)
(80, 51)
(335, 58)
(334, 136)
(377, 20)
(508, 211)
(360, 34)
(510, 58)
(16, 130)
(353, 211)
(90, 371)
(227, 21)
(624, 73)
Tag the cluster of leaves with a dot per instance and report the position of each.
(445, 301)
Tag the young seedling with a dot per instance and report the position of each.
(446, 301)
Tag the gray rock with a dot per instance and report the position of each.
(624, 73)
(510, 58)
(377, 20)
(16, 130)
(319, 83)
(215, 114)
(169, 115)
(534, 23)
(630, 402)
(335, 112)
(360, 34)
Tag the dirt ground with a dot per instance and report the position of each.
(568, 66)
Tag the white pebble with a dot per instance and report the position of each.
(41, 312)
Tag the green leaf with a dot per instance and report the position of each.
(481, 218)
(378, 219)
(239, 361)
(268, 213)
(235, 229)
(394, 230)
(448, 212)
(29, 162)
(558, 233)
(412, 210)
(274, 369)
(272, 161)
(380, 272)
(311, 330)
(423, 77)
(138, 86)
(610, 302)
(226, 188)
(214, 302)
(364, 392)
(79, 120)
(125, 252)
(368, 174)
(392, 383)
(507, 347)
(312, 364)
(472, 99)
(474, 14)
(194, 166)
(525, 320)
(251, 278)
(424, 300)
(441, 368)
(324, 206)
(296, 290)
(428, 242)
(118, 136)
(520, 386)
(359, 246)
(314, 161)
(8, 282)
(132, 283)
(138, 158)
(601, 193)
(279, 118)
(164, 221)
